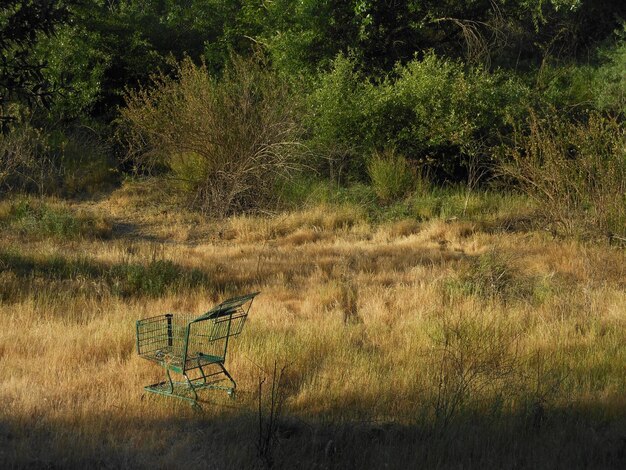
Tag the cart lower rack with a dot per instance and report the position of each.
(194, 348)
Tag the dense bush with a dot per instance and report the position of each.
(438, 112)
(610, 79)
(223, 141)
(568, 88)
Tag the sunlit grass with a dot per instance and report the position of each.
(398, 338)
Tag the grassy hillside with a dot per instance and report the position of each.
(467, 339)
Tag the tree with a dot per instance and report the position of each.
(22, 77)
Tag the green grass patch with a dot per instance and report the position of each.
(451, 202)
(151, 279)
(39, 218)
(492, 275)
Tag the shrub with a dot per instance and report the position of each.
(335, 120)
(223, 141)
(576, 171)
(23, 162)
(437, 111)
(569, 88)
(391, 175)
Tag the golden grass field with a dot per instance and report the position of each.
(434, 344)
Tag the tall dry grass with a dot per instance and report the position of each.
(433, 347)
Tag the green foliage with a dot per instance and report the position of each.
(391, 174)
(443, 82)
(335, 119)
(75, 69)
(569, 88)
(307, 35)
(610, 80)
(438, 104)
(438, 113)
(22, 75)
(304, 35)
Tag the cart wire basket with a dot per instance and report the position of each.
(194, 348)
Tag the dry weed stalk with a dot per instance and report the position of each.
(269, 420)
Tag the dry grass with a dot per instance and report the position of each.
(394, 357)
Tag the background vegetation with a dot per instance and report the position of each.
(225, 101)
(431, 196)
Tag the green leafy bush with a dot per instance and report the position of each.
(610, 79)
(335, 120)
(441, 114)
(568, 88)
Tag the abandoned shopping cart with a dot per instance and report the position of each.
(194, 348)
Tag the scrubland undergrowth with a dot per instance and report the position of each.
(401, 344)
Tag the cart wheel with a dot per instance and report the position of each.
(231, 393)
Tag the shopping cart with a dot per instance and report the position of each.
(194, 348)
